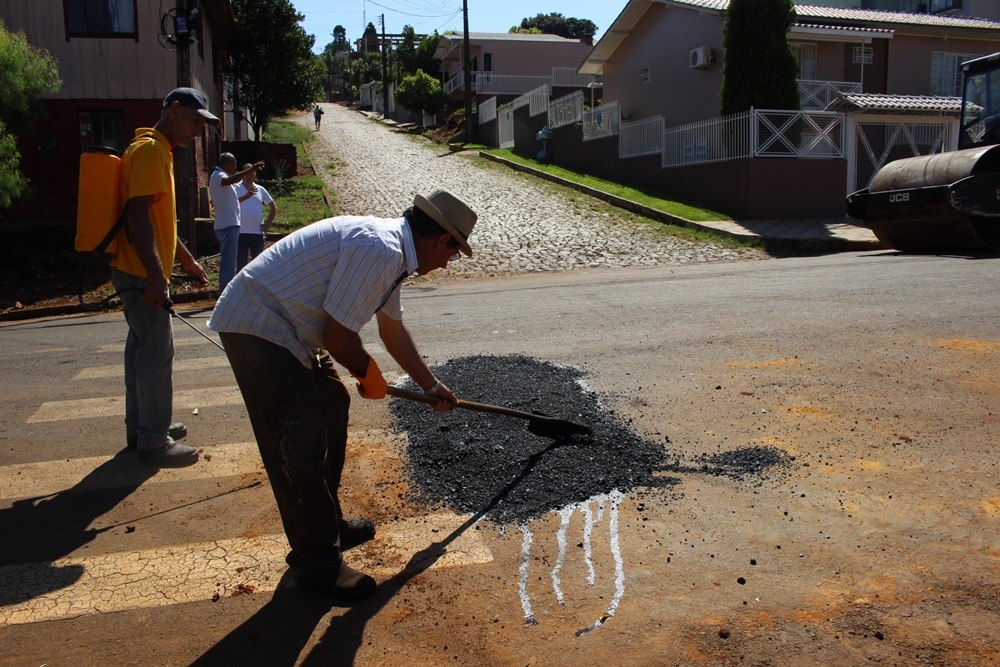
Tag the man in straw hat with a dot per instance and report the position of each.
(286, 318)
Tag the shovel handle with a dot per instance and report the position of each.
(468, 405)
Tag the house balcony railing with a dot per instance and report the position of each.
(819, 94)
(488, 83)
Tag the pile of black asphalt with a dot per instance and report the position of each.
(492, 465)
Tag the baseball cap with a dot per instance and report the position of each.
(194, 98)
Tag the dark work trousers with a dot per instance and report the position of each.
(299, 418)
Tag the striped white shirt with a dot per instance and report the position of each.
(346, 268)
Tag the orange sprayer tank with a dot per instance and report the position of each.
(98, 205)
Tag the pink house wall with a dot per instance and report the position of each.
(662, 41)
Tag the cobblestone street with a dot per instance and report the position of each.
(525, 224)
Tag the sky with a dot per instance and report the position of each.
(426, 16)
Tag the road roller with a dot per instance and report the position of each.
(945, 202)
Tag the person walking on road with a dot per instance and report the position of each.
(317, 115)
(284, 321)
(225, 201)
(141, 264)
(253, 198)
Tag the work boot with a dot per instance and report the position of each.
(355, 531)
(344, 584)
(176, 431)
(171, 455)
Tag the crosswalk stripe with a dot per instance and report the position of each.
(118, 370)
(40, 479)
(109, 406)
(208, 570)
(180, 340)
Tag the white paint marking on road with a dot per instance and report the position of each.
(45, 478)
(179, 341)
(110, 406)
(205, 571)
(522, 580)
(180, 365)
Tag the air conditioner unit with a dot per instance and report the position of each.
(700, 58)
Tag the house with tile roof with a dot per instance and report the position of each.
(506, 65)
(875, 85)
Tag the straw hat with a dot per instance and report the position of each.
(451, 214)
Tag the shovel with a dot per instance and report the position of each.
(538, 423)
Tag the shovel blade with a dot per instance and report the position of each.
(557, 429)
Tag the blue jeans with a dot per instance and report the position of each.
(149, 364)
(250, 246)
(229, 241)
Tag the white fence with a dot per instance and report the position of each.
(488, 83)
(487, 110)
(756, 133)
(568, 77)
(538, 100)
(566, 110)
(601, 121)
(641, 137)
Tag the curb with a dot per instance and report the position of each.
(91, 308)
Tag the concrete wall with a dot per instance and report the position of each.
(747, 189)
(662, 42)
(909, 69)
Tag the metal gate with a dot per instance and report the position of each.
(878, 142)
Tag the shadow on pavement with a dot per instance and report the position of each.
(43, 529)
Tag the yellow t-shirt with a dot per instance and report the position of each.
(148, 169)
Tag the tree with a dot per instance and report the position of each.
(336, 58)
(557, 24)
(406, 52)
(760, 70)
(421, 92)
(425, 55)
(25, 73)
(271, 67)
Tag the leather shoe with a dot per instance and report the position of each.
(355, 531)
(176, 431)
(345, 584)
(171, 455)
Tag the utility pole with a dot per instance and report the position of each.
(183, 170)
(385, 75)
(467, 66)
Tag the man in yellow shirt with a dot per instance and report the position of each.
(147, 247)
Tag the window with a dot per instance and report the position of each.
(102, 128)
(487, 62)
(862, 55)
(806, 55)
(100, 18)
(644, 75)
(946, 75)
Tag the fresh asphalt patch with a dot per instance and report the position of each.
(492, 465)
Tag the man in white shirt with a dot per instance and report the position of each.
(222, 191)
(253, 198)
(284, 320)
